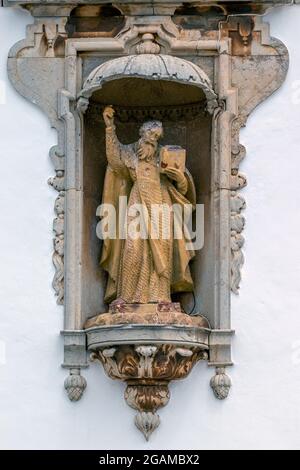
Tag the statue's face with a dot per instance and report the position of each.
(152, 134)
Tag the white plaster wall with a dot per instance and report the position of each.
(263, 410)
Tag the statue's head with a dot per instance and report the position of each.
(151, 132)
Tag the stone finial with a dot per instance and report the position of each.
(221, 383)
(75, 385)
(147, 422)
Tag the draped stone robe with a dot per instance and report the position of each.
(143, 270)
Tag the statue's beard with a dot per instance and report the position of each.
(146, 150)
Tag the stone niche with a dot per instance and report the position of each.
(187, 123)
(200, 68)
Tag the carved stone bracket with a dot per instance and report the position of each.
(148, 369)
(250, 37)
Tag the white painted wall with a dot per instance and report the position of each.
(263, 410)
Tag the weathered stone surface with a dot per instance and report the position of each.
(157, 67)
(147, 319)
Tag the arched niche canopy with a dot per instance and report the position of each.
(148, 80)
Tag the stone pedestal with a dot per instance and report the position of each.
(147, 346)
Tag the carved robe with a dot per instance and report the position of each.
(143, 270)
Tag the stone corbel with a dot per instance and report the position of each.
(147, 366)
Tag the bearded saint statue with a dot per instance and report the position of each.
(144, 271)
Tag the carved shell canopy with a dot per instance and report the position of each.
(169, 78)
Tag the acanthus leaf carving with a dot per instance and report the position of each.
(147, 370)
(147, 423)
(237, 205)
(59, 241)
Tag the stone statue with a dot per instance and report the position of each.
(145, 271)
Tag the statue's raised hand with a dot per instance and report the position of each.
(108, 116)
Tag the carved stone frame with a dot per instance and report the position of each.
(67, 117)
(223, 118)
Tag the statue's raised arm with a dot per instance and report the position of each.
(113, 146)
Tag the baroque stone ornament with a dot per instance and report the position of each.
(147, 423)
(75, 385)
(221, 383)
(148, 100)
(58, 255)
(148, 45)
(148, 369)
